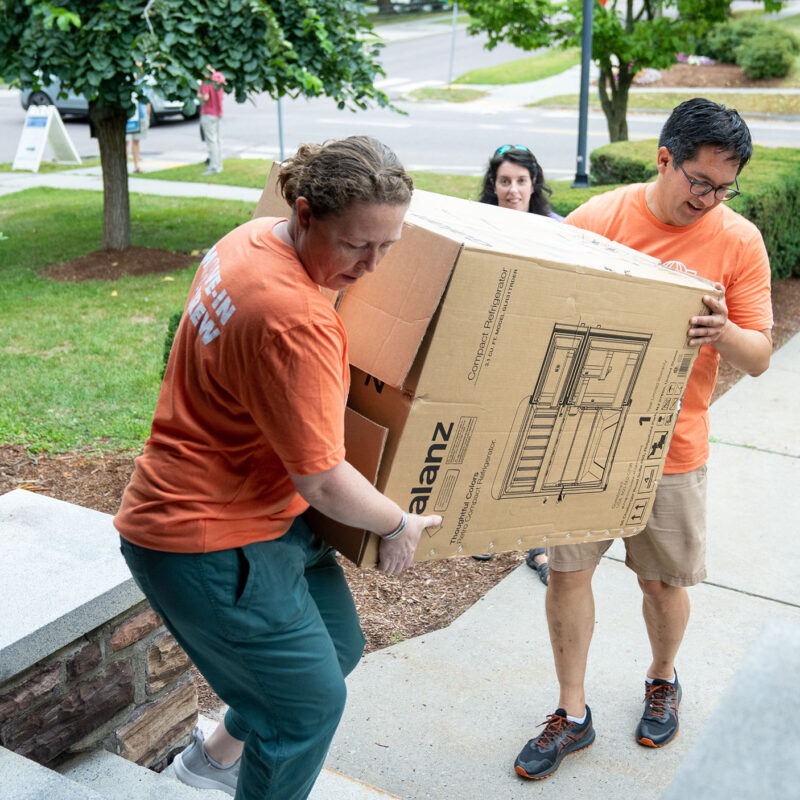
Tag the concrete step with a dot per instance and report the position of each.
(23, 779)
(114, 778)
(111, 777)
(331, 785)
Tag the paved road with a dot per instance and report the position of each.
(440, 137)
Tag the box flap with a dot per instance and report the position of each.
(364, 442)
(271, 202)
(387, 313)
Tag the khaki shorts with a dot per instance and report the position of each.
(671, 548)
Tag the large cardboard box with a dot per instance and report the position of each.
(518, 376)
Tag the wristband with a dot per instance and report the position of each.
(398, 530)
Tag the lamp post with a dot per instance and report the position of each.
(280, 130)
(452, 44)
(581, 176)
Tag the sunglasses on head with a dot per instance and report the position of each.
(504, 148)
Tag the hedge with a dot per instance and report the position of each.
(762, 49)
(770, 195)
(765, 56)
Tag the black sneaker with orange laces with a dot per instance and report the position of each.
(541, 756)
(659, 723)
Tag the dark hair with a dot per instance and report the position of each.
(540, 203)
(339, 172)
(699, 122)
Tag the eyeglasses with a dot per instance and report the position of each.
(701, 188)
(506, 147)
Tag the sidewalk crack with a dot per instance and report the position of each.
(753, 447)
(752, 594)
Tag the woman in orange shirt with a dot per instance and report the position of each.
(248, 432)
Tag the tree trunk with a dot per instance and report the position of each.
(386, 6)
(109, 126)
(616, 119)
(615, 104)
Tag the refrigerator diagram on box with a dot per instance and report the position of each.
(566, 432)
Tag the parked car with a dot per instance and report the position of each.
(78, 105)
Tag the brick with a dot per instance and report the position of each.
(85, 660)
(25, 695)
(56, 726)
(155, 728)
(166, 661)
(134, 629)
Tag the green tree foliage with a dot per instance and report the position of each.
(627, 36)
(304, 47)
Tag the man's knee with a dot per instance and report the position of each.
(658, 590)
(565, 582)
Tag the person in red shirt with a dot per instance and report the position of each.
(681, 218)
(211, 95)
(248, 432)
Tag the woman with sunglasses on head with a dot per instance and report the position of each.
(514, 179)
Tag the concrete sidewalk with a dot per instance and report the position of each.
(91, 178)
(444, 715)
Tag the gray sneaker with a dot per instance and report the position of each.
(194, 767)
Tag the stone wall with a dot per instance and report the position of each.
(125, 686)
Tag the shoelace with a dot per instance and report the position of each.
(554, 725)
(657, 695)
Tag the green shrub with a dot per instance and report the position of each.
(770, 196)
(762, 49)
(565, 199)
(172, 327)
(623, 162)
(771, 200)
(785, 37)
(766, 56)
(722, 40)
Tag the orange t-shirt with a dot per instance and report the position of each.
(721, 246)
(255, 388)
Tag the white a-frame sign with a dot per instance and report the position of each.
(44, 126)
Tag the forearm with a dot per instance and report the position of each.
(344, 494)
(747, 350)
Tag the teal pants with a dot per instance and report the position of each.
(273, 628)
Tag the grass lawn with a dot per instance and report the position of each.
(466, 187)
(448, 94)
(82, 366)
(745, 102)
(50, 166)
(414, 16)
(250, 172)
(524, 70)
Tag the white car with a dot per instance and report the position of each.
(78, 105)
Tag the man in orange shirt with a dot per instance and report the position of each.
(680, 218)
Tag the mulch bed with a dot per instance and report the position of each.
(722, 76)
(110, 265)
